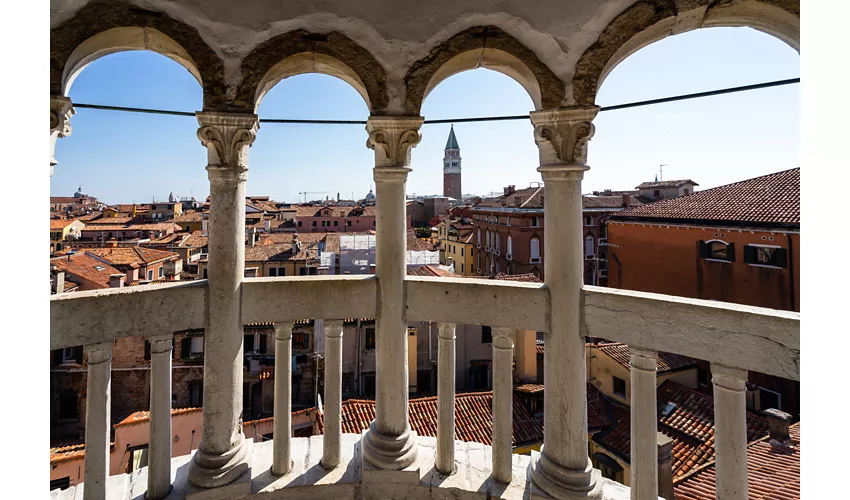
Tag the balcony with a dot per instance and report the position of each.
(733, 338)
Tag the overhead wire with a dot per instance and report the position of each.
(649, 102)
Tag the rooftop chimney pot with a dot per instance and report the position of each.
(627, 200)
(665, 467)
(778, 423)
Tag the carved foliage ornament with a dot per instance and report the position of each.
(562, 136)
(392, 140)
(61, 111)
(227, 138)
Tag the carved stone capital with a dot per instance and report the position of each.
(61, 111)
(562, 134)
(503, 338)
(392, 138)
(98, 353)
(227, 137)
(643, 359)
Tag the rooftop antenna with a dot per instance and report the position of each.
(661, 172)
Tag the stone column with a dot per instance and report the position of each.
(332, 451)
(730, 431)
(61, 111)
(389, 443)
(98, 423)
(221, 455)
(446, 398)
(159, 461)
(282, 461)
(502, 412)
(563, 468)
(644, 425)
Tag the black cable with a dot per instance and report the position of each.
(615, 107)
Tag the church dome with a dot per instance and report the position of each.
(370, 196)
(80, 193)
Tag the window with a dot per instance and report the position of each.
(461, 265)
(510, 248)
(68, 404)
(498, 242)
(588, 221)
(765, 256)
(99, 268)
(150, 275)
(272, 271)
(769, 399)
(205, 273)
(61, 483)
(535, 250)
(299, 223)
(488, 239)
(348, 223)
(147, 350)
(369, 341)
(535, 222)
(249, 343)
(160, 272)
(687, 191)
(138, 457)
(314, 224)
(461, 251)
(336, 223)
(71, 354)
(302, 271)
(486, 335)
(479, 237)
(196, 393)
(717, 250)
(656, 193)
(619, 387)
(588, 247)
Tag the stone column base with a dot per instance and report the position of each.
(220, 471)
(411, 474)
(549, 483)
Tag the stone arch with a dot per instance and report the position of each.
(648, 21)
(298, 52)
(105, 27)
(483, 47)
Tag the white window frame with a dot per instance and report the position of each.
(778, 398)
(592, 254)
(535, 221)
(768, 266)
(194, 344)
(718, 260)
(150, 274)
(510, 248)
(160, 272)
(68, 355)
(532, 259)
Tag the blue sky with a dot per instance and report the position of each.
(129, 157)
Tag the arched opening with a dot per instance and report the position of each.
(124, 39)
(712, 141)
(492, 59)
(131, 159)
(646, 22)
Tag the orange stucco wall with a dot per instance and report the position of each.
(665, 259)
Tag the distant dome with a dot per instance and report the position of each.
(370, 196)
(80, 193)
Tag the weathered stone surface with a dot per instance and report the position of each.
(101, 15)
(336, 45)
(734, 335)
(420, 74)
(295, 298)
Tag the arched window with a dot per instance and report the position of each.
(488, 239)
(498, 242)
(588, 247)
(510, 245)
(479, 236)
(535, 250)
(717, 250)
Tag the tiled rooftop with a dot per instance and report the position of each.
(431, 270)
(665, 184)
(769, 199)
(131, 256)
(666, 362)
(690, 423)
(144, 416)
(521, 198)
(772, 474)
(473, 421)
(86, 267)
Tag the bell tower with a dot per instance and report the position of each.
(451, 168)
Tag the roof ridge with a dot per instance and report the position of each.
(531, 197)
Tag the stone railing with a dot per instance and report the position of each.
(733, 338)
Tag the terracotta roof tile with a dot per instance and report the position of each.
(118, 256)
(140, 417)
(86, 267)
(769, 199)
(56, 224)
(473, 421)
(431, 271)
(665, 184)
(521, 198)
(529, 388)
(772, 474)
(526, 278)
(689, 422)
(605, 201)
(666, 362)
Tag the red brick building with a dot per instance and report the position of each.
(735, 243)
(451, 168)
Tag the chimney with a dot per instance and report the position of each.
(627, 200)
(58, 281)
(252, 236)
(116, 280)
(296, 245)
(205, 225)
(510, 189)
(778, 422)
(268, 225)
(665, 467)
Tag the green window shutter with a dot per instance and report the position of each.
(703, 250)
(730, 252)
(749, 254)
(780, 257)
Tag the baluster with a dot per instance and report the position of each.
(159, 468)
(281, 461)
(332, 452)
(97, 419)
(730, 431)
(644, 438)
(446, 398)
(503, 351)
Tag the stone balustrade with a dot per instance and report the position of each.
(734, 338)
